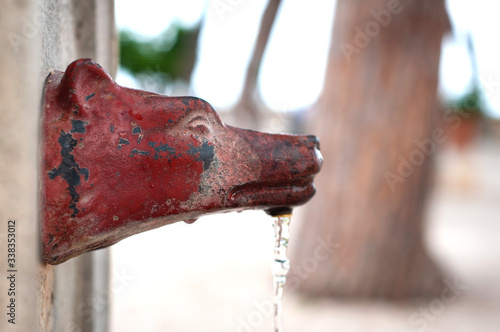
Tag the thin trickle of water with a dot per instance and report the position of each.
(280, 266)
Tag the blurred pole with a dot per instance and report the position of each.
(246, 109)
(362, 234)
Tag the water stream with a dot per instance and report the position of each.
(280, 266)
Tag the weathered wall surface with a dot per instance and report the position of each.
(18, 151)
(37, 37)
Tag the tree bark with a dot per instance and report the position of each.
(379, 99)
(247, 109)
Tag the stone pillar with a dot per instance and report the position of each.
(37, 37)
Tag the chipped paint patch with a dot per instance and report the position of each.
(142, 153)
(89, 96)
(138, 131)
(161, 148)
(206, 153)
(69, 169)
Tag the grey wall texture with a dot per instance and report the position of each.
(37, 37)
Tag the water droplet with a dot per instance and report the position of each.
(190, 221)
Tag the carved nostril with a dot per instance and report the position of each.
(313, 139)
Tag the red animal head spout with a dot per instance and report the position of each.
(117, 161)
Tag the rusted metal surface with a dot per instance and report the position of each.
(117, 161)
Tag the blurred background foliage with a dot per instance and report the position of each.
(471, 102)
(170, 56)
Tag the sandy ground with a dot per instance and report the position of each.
(214, 275)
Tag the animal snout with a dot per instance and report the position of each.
(284, 157)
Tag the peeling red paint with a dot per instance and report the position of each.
(118, 161)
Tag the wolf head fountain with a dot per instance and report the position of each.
(117, 161)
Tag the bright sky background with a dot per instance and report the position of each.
(480, 19)
(294, 63)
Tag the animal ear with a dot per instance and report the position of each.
(82, 78)
(198, 112)
(198, 122)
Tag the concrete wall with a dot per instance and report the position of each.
(37, 37)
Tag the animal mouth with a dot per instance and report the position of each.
(275, 193)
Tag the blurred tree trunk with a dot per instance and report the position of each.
(247, 108)
(375, 118)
